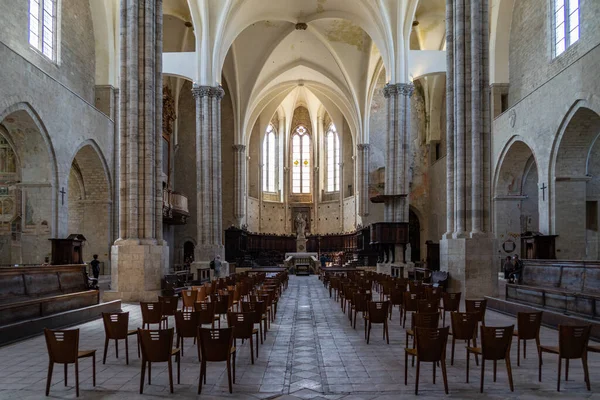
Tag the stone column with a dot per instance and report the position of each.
(341, 187)
(140, 256)
(468, 248)
(239, 185)
(398, 150)
(208, 173)
(363, 178)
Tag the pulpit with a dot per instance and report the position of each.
(535, 246)
(68, 251)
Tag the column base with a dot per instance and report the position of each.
(136, 271)
(470, 264)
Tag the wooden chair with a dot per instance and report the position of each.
(464, 326)
(528, 328)
(116, 326)
(396, 299)
(187, 323)
(63, 348)
(410, 304)
(152, 314)
(428, 306)
(378, 314)
(360, 304)
(421, 320)
(433, 294)
(216, 345)
(415, 286)
(243, 324)
(478, 306)
(257, 308)
(450, 303)
(221, 302)
(266, 298)
(206, 313)
(189, 298)
(495, 345)
(431, 347)
(169, 307)
(572, 344)
(157, 346)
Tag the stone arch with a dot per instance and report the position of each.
(89, 201)
(516, 195)
(575, 184)
(415, 236)
(35, 187)
(500, 25)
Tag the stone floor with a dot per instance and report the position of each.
(311, 351)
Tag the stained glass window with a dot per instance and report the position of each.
(269, 157)
(566, 24)
(301, 161)
(332, 149)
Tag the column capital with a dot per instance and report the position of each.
(239, 148)
(363, 146)
(200, 91)
(395, 89)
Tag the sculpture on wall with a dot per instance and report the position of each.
(300, 225)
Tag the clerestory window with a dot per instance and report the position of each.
(269, 157)
(42, 26)
(301, 161)
(332, 149)
(566, 24)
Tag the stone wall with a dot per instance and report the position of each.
(227, 158)
(272, 215)
(350, 214)
(253, 214)
(76, 51)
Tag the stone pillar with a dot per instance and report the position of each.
(363, 178)
(341, 186)
(208, 172)
(398, 150)
(239, 185)
(468, 247)
(140, 256)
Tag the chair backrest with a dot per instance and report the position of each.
(464, 325)
(427, 306)
(397, 296)
(116, 324)
(189, 297)
(528, 324)
(257, 308)
(215, 344)
(242, 322)
(151, 312)
(361, 301)
(169, 304)
(201, 294)
(206, 312)
(573, 340)
(187, 323)
(425, 320)
(451, 301)
(495, 341)
(431, 343)
(411, 301)
(63, 345)
(479, 306)
(156, 345)
(415, 286)
(378, 311)
(221, 302)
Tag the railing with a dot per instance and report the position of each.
(175, 208)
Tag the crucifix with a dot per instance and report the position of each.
(543, 189)
(62, 192)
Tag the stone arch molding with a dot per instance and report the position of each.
(104, 165)
(507, 157)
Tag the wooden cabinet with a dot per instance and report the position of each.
(538, 247)
(67, 251)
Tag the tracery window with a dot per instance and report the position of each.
(332, 151)
(566, 24)
(269, 157)
(301, 161)
(42, 26)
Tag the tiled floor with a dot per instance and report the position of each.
(311, 352)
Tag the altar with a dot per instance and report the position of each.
(303, 263)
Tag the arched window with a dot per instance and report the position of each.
(269, 157)
(42, 26)
(301, 161)
(332, 150)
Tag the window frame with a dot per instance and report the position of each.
(42, 44)
(305, 155)
(266, 157)
(336, 157)
(566, 30)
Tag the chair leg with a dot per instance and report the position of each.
(445, 375)
(482, 374)
(509, 372)
(170, 365)
(127, 349)
(149, 373)
(354, 324)
(566, 369)
(234, 354)
(229, 375)
(117, 348)
(182, 345)
(369, 332)
(558, 380)
(452, 352)
(94, 369)
(417, 379)
(524, 349)
(261, 332)
(256, 344)
(468, 365)
(76, 378)
(519, 352)
(475, 345)
(49, 379)
(495, 367)
(586, 373)
(387, 332)
(252, 350)
(539, 365)
(178, 369)
(142, 376)
(433, 372)
(405, 368)
(105, 349)
(65, 365)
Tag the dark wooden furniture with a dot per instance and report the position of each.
(34, 292)
(116, 327)
(243, 324)
(534, 245)
(464, 327)
(302, 269)
(528, 328)
(495, 345)
(430, 347)
(63, 348)
(187, 324)
(157, 346)
(378, 314)
(433, 255)
(572, 344)
(152, 314)
(216, 345)
(67, 251)
(174, 284)
(450, 303)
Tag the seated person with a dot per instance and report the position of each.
(516, 275)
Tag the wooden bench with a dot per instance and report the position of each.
(33, 292)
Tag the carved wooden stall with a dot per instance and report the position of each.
(385, 236)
